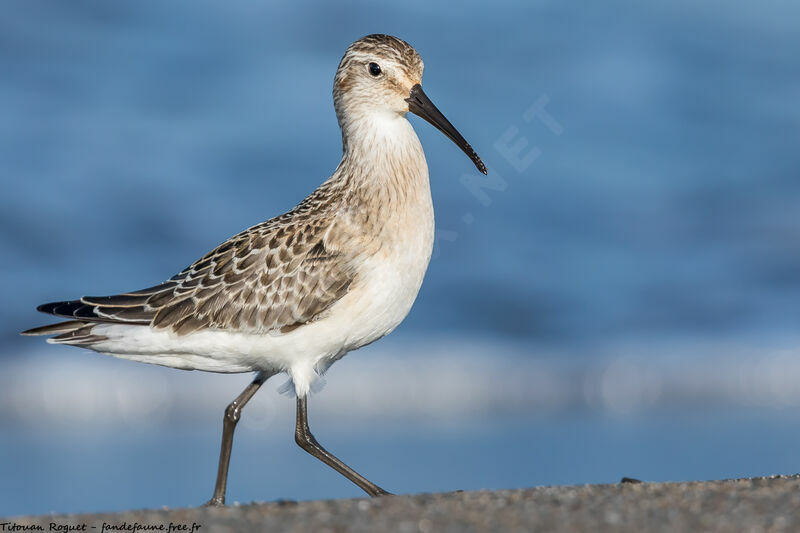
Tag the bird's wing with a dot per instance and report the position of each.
(278, 275)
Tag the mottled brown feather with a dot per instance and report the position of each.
(263, 279)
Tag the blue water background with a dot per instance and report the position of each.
(660, 214)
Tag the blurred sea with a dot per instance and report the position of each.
(621, 299)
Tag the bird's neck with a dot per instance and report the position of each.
(381, 151)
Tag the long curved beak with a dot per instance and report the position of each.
(420, 105)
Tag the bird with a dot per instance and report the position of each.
(297, 292)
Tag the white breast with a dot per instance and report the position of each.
(388, 283)
(399, 196)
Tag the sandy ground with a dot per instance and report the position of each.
(753, 505)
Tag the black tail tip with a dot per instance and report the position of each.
(47, 308)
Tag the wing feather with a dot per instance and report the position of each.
(274, 276)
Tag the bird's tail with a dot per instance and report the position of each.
(72, 332)
(55, 329)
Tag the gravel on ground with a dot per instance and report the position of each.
(753, 505)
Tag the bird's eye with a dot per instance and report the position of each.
(375, 69)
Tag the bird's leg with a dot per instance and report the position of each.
(306, 440)
(232, 414)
